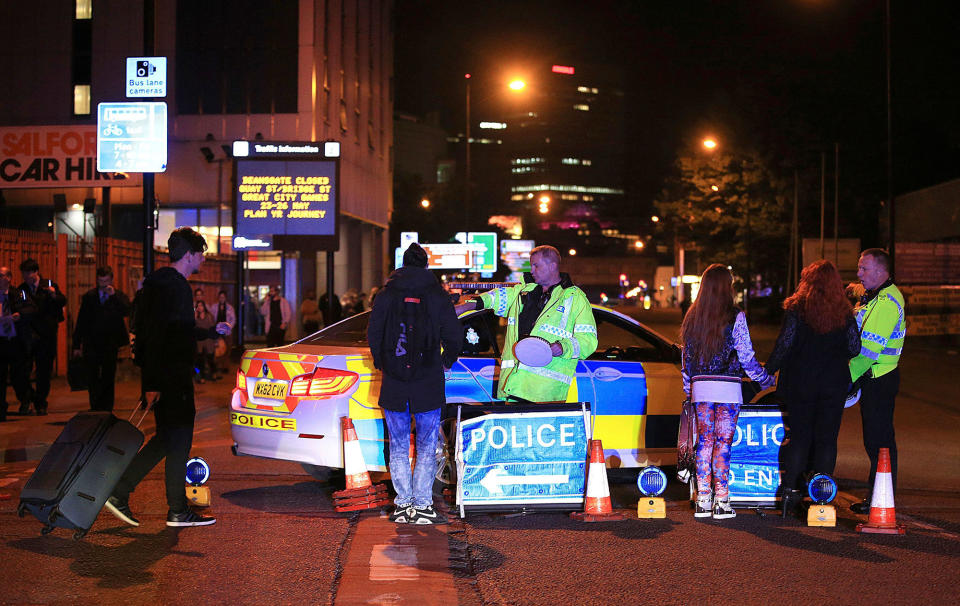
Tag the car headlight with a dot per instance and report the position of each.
(822, 488)
(198, 472)
(652, 481)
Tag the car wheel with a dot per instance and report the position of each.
(446, 463)
(321, 473)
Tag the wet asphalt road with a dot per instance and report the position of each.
(277, 539)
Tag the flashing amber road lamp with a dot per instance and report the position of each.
(710, 143)
(425, 203)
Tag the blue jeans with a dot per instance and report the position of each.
(418, 489)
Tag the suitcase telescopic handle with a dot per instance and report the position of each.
(146, 406)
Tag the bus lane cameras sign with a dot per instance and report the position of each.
(146, 77)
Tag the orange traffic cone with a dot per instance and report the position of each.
(597, 506)
(883, 516)
(360, 492)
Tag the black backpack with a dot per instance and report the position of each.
(407, 336)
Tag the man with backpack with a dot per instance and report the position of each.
(412, 318)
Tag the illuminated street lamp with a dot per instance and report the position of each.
(572, 252)
(517, 85)
(710, 143)
(655, 219)
(714, 188)
(425, 203)
(638, 244)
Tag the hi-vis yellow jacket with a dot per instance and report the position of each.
(882, 330)
(566, 319)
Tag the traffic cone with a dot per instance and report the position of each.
(360, 492)
(883, 516)
(597, 506)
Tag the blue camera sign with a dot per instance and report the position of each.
(146, 77)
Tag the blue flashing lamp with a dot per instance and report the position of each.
(198, 472)
(652, 481)
(822, 488)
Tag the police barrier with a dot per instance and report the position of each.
(529, 459)
(755, 455)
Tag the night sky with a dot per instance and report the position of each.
(798, 75)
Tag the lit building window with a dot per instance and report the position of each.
(517, 197)
(525, 161)
(588, 162)
(493, 125)
(570, 161)
(569, 196)
(84, 10)
(561, 188)
(588, 198)
(583, 107)
(81, 100)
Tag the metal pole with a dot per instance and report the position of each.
(330, 294)
(823, 195)
(836, 204)
(240, 300)
(466, 190)
(891, 204)
(148, 195)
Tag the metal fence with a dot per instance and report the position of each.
(72, 261)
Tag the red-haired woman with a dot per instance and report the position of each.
(818, 337)
(716, 350)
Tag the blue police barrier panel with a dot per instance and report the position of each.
(755, 455)
(522, 459)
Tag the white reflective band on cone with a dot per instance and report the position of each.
(597, 487)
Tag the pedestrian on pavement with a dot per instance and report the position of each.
(716, 350)
(276, 313)
(881, 317)
(817, 339)
(166, 346)
(225, 313)
(9, 352)
(40, 304)
(546, 304)
(100, 332)
(206, 347)
(324, 309)
(310, 313)
(412, 318)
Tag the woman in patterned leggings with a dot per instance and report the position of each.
(716, 350)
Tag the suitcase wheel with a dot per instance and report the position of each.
(79, 535)
(46, 530)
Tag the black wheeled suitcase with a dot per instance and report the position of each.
(79, 471)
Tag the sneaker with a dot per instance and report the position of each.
(703, 507)
(861, 508)
(121, 509)
(189, 518)
(722, 510)
(402, 514)
(427, 516)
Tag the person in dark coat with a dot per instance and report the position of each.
(99, 334)
(324, 309)
(165, 348)
(8, 333)
(818, 337)
(423, 395)
(40, 304)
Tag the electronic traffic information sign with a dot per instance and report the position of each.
(287, 195)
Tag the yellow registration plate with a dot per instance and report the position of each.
(261, 422)
(267, 389)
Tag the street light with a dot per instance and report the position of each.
(572, 252)
(517, 85)
(710, 143)
(638, 244)
(425, 203)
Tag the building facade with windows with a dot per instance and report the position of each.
(285, 70)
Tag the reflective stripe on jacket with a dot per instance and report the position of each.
(567, 318)
(883, 327)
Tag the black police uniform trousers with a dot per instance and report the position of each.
(876, 410)
(101, 369)
(174, 413)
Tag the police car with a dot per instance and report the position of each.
(288, 401)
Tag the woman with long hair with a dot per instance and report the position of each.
(207, 347)
(716, 350)
(818, 337)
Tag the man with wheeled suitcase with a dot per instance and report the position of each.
(164, 348)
